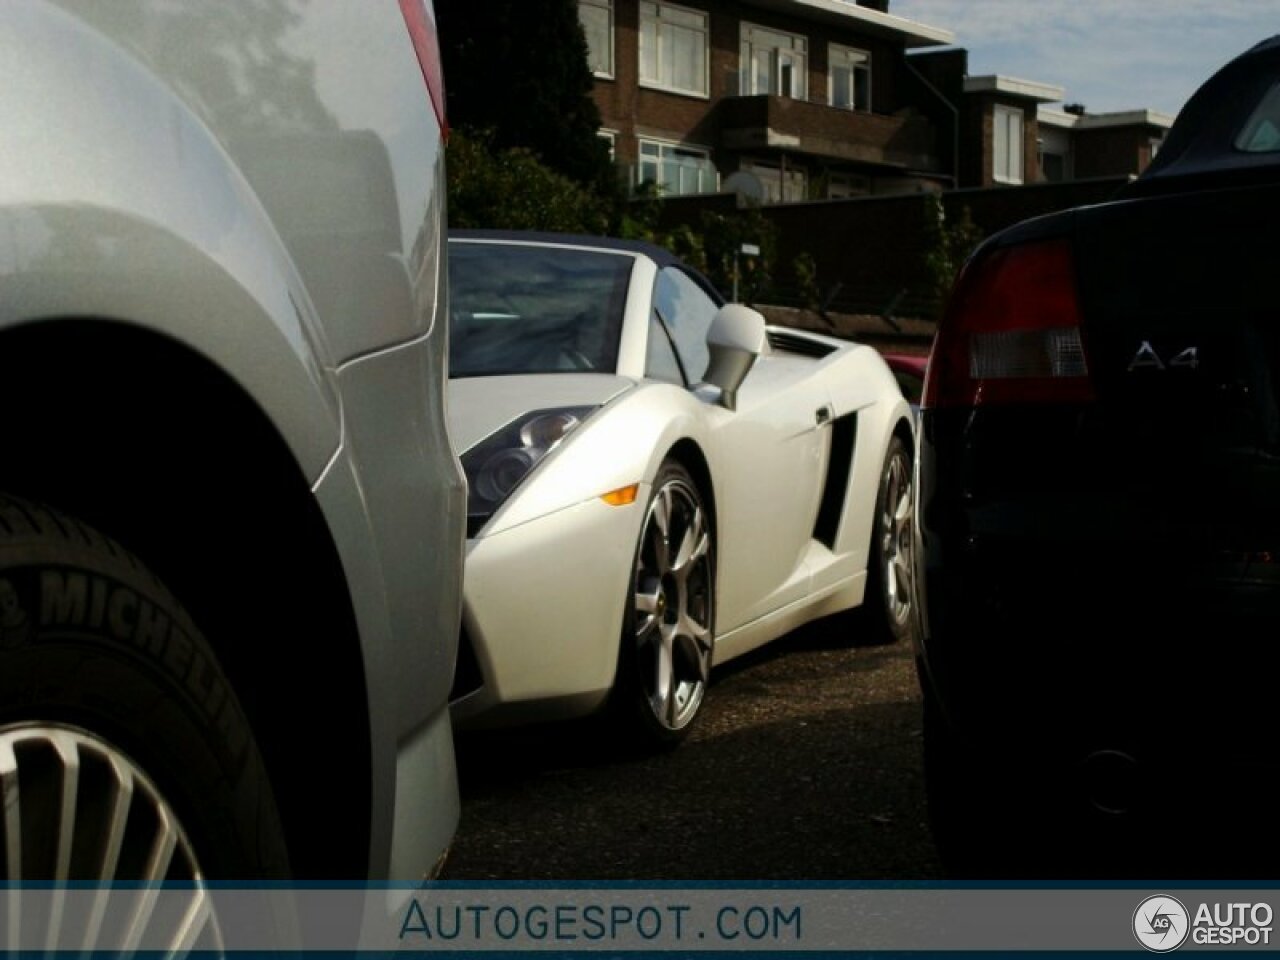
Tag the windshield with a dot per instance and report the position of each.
(534, 309)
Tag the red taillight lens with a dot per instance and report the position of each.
(1012, 333)
(422, 30)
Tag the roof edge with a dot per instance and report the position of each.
(914, 33)
(1098, 121)
(1015, 87)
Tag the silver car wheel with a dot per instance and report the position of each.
(896, 539)
(76, 808)
(673, 605)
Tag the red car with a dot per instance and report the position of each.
(909, 371)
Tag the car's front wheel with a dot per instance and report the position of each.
(667, 636)
(125, 756)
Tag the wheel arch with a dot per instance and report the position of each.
(156, 446)
(904, 432)
(689, 455)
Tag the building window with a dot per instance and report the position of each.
(775, 63)
(1053, 167)
(597, 25)
(1008, 145)
(611, 138)
(1055, 154)
(781, 184)
(676, 169)
(673, 48)
(843, 186)
(850, 78)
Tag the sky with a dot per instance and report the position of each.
(1109, 54)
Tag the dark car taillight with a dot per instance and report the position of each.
(1012, 332)
(422, 30)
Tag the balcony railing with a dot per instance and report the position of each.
(799, 126)
(671, 178)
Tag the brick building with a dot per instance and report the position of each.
(1009, 135)
(1080, 145)
(791, 100)
(784, 99)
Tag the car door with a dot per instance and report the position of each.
(767, 459)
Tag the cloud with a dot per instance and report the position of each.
(1109, 54)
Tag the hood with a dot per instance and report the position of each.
(479, 406)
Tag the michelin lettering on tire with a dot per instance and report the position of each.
(72, 600)
(91, 640)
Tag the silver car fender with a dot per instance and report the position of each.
(115, 188)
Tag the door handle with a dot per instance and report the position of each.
(823, 415)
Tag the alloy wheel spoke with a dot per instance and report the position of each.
(69, 759)
(121, 801)
(195, 921)
(649, 634)
(692, 642)
(646, 608)
(664, 679)
(661, 531)
(672, 717)
(902, 514)
(902, 572)
(693, 545)
(162, 851)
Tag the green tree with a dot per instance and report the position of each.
(724, 236)
(509, 189)
(804, 268)
(519, 70)
(946, 247)
(638, 218)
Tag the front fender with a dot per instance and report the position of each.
(133, 211)
(621, 444)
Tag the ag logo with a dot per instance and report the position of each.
(1161, 923)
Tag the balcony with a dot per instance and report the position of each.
(798, 126)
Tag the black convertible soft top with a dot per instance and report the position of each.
(1203, 140)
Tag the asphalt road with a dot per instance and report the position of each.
(805, 765)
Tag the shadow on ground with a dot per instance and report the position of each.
(804, 766)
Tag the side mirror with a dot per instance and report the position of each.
(736, 338)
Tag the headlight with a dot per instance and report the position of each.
(498, 464)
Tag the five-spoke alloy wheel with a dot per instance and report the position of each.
(668, 637)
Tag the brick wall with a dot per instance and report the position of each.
(1107, 153)
(870, 251)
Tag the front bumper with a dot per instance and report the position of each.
(544, 604)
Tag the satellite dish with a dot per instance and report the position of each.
(746, 185)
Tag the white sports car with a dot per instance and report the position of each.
(658, 482)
